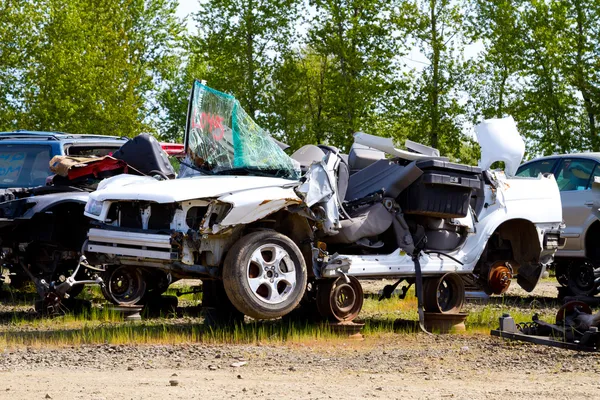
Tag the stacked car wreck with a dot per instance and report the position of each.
(261, 237)
(43, 228)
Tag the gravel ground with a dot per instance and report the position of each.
(400, 366)
(407, 366)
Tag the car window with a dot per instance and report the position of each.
(533, 169)
(24, 165)
(574, 174)
(91, 151)
(594, 175)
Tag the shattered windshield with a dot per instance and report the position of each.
(223, 139)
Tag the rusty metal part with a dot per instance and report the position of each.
(444, 294)
(51, 304)
(445, 323)
(500, 276)
(350, 328)
(340, 300)
(567, 310)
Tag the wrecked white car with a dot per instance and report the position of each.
(241, 218)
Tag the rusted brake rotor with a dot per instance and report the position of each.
(339, 300)
(500, 276)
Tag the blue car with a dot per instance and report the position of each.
(25, 155)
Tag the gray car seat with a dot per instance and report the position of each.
(306, 155)
(361, 157)
(368, 222)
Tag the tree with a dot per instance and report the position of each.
(94, 67)
(437, 102)
(174, 96)
(242, 42)
(354, 45)
(549, 110)
(498, 25)
(18, 28)
(581, 48)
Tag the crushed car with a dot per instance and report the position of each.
(264, 237)
(43, 227)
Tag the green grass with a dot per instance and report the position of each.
(100, 324)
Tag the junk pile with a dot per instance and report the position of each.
(575, 328)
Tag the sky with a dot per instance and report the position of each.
(185, 8)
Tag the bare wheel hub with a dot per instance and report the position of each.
(500, 276)
(340, 300)
(125, 285)
(444, 294)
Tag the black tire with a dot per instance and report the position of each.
(444, 294)
(561, 271)
(581, 278)
(124, 285)
(276, 292)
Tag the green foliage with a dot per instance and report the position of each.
(355, 47)
(90, 67)
(309, 72)
(540, 66)
(242, 42)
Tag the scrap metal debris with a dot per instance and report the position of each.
(575, 328)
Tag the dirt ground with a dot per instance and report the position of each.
(400, 366)
(390, 366)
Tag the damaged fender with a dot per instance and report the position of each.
(252, 205)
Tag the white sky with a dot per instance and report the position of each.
(185, 8)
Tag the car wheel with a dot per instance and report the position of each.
(338, 300)
(124, 285)
(264, 275)
(581, 279)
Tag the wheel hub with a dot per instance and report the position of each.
(582, 278)
(444, 294)
(339, 300)
(500, 277)
(125, 285)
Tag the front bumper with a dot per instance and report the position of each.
(132, 244)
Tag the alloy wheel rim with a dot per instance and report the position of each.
(271, 274)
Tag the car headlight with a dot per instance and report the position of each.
(93, 207)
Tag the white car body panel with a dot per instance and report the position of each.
(500, 141)
(251, 205)
(513, 199)
(143, 188)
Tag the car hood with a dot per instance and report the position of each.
(129, 187)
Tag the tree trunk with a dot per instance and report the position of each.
(500, 111)
(435, 45)
(251, 96)
(580, 80)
